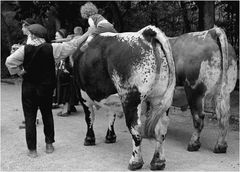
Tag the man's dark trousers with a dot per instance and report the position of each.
(36, 96)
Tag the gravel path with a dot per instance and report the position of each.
(71, 155)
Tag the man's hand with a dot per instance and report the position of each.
(15, 47)
(91, 29)
(21, 72)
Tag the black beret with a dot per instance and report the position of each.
(28, 21)
(38, 30)
(62, 32)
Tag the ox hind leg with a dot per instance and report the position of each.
(132, 110)
(158, 160)
(111, 136)
(195, 101)
(159, 132)
(223, 113)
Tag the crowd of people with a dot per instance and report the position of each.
(46, 69)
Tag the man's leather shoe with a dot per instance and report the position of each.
(32, 153)
(49, 148)
(73, 109)
(64, 114)
(55, 106)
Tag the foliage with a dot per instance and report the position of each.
(227, 16)
(14, 27)
(5, 46)
(173, 17)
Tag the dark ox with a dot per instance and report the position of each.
(206, 66)
(139, 67)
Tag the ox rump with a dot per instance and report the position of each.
(139, 67)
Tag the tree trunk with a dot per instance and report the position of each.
(153, 15)
(5, 46)
(117, 17)
(187, 27)
(206, 18)
(52, 23)
(5, 31)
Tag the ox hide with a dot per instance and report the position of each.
(206, 66)
(139, 67)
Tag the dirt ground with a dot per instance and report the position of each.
(71, 155)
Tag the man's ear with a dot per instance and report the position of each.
(32, 36)
(28, 32)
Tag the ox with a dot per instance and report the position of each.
(206, 66)
(139, 67)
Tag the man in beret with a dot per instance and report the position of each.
(35, 62)
(25, 23)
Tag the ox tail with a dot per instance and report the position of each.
(162, 48)
(222, 38)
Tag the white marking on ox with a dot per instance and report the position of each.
(161, 131)
(143, 74)
(129, 37)
(202, 34)
(108, 106)
(120, 88)
(137, 128)
(106, 34)
(210, 72)
(161, 127)
(111, 121)
(88, 103)
(232, 76)
(137, 153)
(162, 79)
(139, 112)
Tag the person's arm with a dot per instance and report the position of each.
(14, 62)
(62, 40)
(65, 49)
(91, 22)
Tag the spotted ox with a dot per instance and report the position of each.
(206, 66)
(139, 67)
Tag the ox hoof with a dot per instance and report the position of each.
(89, 141)
(157, 164)
(194, 146)
(220, 148)
(135, 165)
(110, 139)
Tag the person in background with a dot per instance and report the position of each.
(89, 11)
(61, 36)
(63, 69)
(73, 91)
(65, 91)
(77, 31)
(57, 95)
(35, 63)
